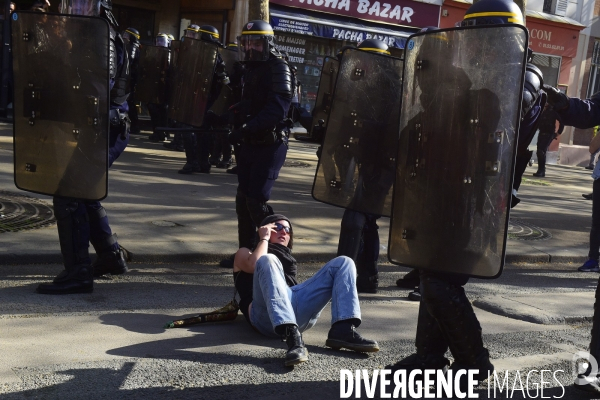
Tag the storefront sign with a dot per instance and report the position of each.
(333, 32)
(551, 39)
(399, 12)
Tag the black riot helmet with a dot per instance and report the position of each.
(132, 35)
(93, 8)
(209, 33)
(492, 12)
(374, 46)
(192, 31)
(257, 42)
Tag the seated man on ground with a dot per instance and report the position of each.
(276, 305)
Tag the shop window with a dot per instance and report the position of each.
(307, 54)
(550, 67)
(594, 82)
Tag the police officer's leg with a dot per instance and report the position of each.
(191, 154)
(521, 162)
(215, 149)
(156, 118)
(133, 114)
(445, 299)
(204, 147)
(368, 256)
(246, 226)
(351, 234)
(544, 140)
(110, 258)
(430, 343)
(73, 235)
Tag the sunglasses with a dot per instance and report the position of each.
(279, 227)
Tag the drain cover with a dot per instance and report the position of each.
(20, 213)
(521, 230)
(296, 164)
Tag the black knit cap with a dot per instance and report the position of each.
(280, 217)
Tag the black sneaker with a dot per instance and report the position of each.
(587, 196)
(343, 335)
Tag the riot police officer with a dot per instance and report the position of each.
(260, 126)
(131, 36)
(81, 222)
(359, 237)
(158, 112)
(198, 146)
(584, 114)
(446, 318)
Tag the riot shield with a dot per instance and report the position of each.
(356, 167)
(153, 83)
(61, 103)
(193, 81)
(461, 101)
(324, 97)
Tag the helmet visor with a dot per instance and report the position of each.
(253, 48)
(80, 7)
(162, 41)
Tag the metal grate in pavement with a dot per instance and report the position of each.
(521, 230)
(20, 213)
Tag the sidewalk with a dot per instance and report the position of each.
(162, 216)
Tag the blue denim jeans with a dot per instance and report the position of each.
(275, 303)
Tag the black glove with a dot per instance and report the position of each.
(556, 98)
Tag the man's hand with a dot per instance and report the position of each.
(264, 232)
(556, 98)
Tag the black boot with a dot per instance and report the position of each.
(296, 353)
(410, 280)
(189, 168)
(482, 364)
(540, 173)
(108, 260)
(78, 279)
(73, 235)
(343, 334)
(367, 284)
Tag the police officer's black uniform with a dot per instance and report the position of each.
(81, 222)
(260, 127)
(131, 36)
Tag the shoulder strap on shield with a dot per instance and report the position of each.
(282, 81)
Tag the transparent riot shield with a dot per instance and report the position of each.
(461, 103)
(324, 97)
(356, 167)
(154, 67)
(193, 81)
(61, 102)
